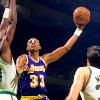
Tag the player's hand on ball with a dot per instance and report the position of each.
(80, 26)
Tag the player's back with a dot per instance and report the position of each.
(33, 82)
(92, 90)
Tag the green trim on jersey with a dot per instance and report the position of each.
(0, 75)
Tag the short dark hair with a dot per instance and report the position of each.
(93, 55)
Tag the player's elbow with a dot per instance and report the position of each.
(67, 48)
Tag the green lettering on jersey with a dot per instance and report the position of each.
(97, 78)
(97, 87)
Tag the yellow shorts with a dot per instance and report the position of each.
(38, 97)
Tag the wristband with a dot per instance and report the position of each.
(78, 32)
(6, 13)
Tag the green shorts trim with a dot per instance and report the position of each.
(7, 92)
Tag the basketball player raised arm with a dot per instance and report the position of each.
(59, 52)
(9, 32)
(80, 23)
(21, 62)
(8, 76)
(5, 20)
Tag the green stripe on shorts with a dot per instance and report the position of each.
(7, 92)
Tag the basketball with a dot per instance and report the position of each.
(81, 15)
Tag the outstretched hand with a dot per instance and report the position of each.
(7, 3)
(80, 26)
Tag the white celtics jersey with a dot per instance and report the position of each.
(92, 90)
(8, 76)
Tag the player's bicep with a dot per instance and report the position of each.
(77, 84)
(20, 60)
(78, 79)
(55, 55)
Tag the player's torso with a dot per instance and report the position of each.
(7, 76)
(92, 90)
(33, 82)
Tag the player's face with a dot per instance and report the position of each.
(33, 45)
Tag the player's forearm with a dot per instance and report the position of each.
(13, 20)
(3, 27)
(13, 16)
(72, 40)
(5, 20)
(14, 11)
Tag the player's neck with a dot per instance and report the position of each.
(88, 63)
(34, 55)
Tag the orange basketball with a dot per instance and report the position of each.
(81, 15)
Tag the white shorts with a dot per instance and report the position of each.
(7, 97)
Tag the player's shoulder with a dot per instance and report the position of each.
(45, 56)
(83, 69)
(23, 56)
(22, 59)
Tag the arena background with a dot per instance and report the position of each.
(51, 22)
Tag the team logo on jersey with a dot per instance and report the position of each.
(36, 68)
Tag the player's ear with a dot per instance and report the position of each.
(27, 47)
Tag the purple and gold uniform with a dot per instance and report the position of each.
(32, 82)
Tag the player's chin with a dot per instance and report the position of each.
(32, 49)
